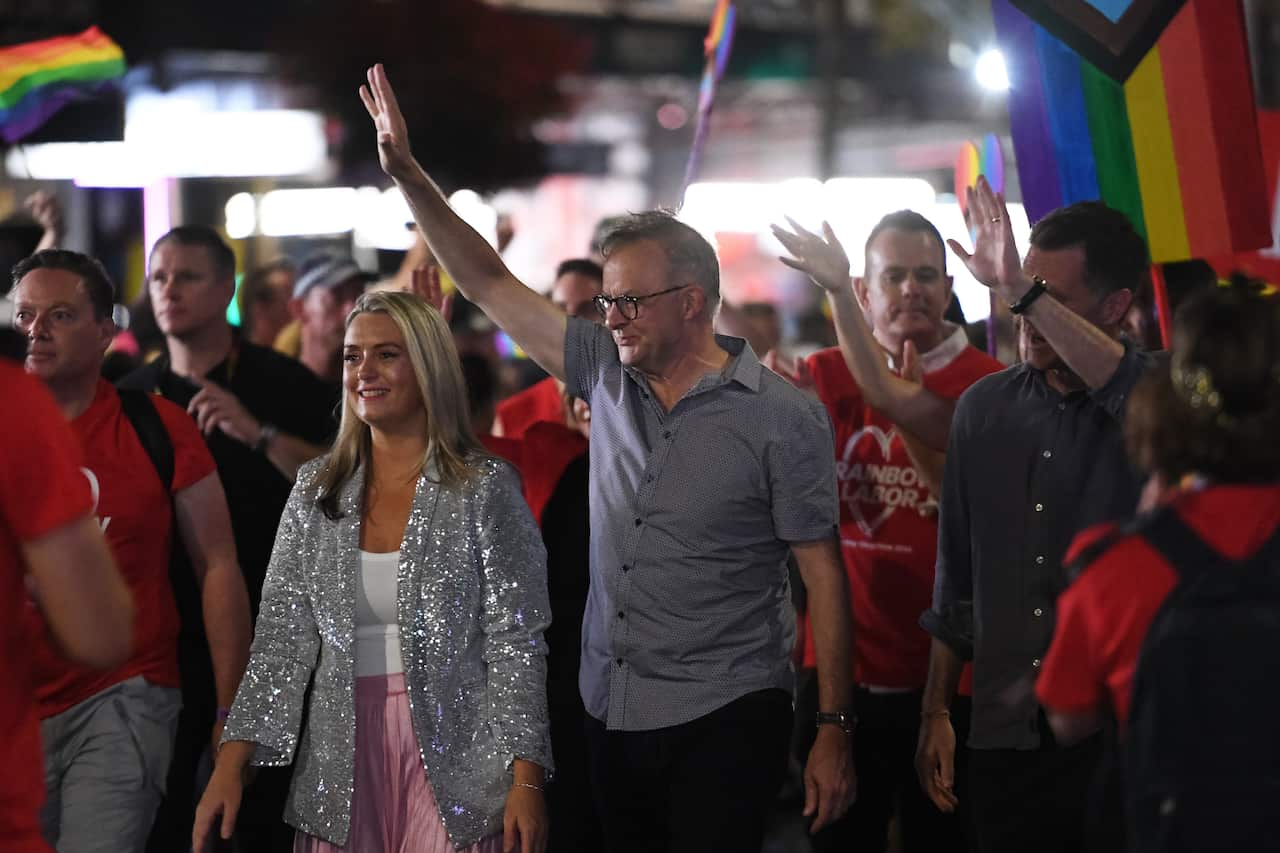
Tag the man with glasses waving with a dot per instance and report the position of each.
(706, 469)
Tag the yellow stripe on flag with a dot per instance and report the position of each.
(1157, 163)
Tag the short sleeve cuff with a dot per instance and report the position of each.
(581, 355)
(805, 535)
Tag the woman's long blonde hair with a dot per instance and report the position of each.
(450, 438)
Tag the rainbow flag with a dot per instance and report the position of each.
(716, 48)
(1174, 145)
(41, 77)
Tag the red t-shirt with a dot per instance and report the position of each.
(1103, 617)
(509, 449)
(548, 450)
(538, 402)
(41, 490)
(136, 517)
(888, 519)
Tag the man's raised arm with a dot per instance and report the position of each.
(1090, 352)
(536, 325)
(911, 406)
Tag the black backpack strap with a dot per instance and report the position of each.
(1180, 546)
(1269, 553)
(1088, 556)
(151, 431)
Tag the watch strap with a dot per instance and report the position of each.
(1038, 288)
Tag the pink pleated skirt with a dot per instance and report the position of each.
(393, 809)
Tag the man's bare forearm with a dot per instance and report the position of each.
(1091, 353)
(470, 260)
(909, 405)
(945, 667)
(929, 463)
(226, 619)
(822, 570)
(531, 321)
(288, 453)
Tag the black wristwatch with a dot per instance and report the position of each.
(844, 719)
(1038, 288)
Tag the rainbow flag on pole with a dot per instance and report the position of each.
(1158, 119)
(716, 47)
(41, 77)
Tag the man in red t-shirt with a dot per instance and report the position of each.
(889, 436)
(48, 534)
(578, 280)
(108, 736)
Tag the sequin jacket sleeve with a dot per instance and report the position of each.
(516, 613)
(268, 705)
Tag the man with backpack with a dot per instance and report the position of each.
(262, 415)
(108, 737)
(1169, 626)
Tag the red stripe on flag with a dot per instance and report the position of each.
(47, 49)
(1235, 121)
(1196, 147)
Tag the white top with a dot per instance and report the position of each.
(377, 630)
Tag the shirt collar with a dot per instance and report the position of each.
(743, 367)
(943, 354)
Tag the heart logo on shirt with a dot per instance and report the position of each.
(854, 485)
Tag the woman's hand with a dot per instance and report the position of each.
(524, 822)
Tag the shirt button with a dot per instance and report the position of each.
(648, 478)
(626, 568)
(1062, 407)
(1040, 560)
(639, 522)
(621, 615)
(1035, 663)
(1048, 454)
(1037, 612)
(619, 661)
(1039, 508)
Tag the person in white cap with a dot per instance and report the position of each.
(327, 289)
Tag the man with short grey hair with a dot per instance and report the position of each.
(706, 470)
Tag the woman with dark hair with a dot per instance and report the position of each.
(408, 588)
(1205, 426)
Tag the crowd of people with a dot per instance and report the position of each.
(308, 584)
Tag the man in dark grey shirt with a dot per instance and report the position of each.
(706, 469)
(1036, 453)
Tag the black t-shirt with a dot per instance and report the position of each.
(566, 532)
(276, 390)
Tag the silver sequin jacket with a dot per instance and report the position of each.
(472, 604)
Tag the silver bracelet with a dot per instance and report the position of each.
(526, 785)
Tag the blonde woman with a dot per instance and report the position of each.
(409, 580)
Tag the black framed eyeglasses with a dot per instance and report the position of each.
(628, 306)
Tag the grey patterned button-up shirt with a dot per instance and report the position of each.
(692, 511)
